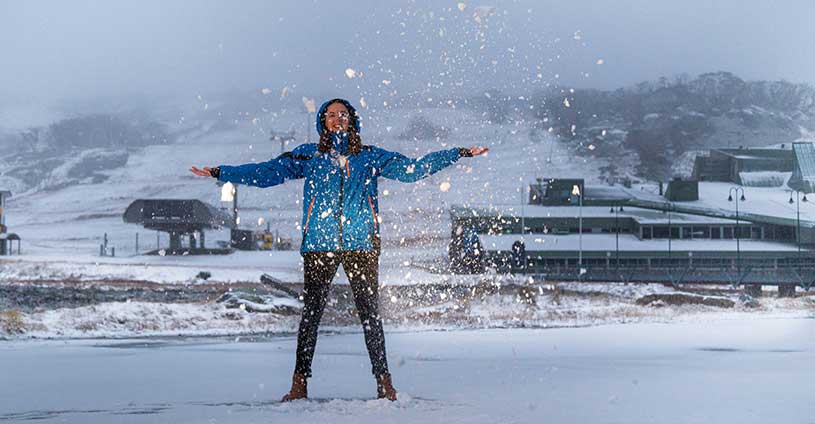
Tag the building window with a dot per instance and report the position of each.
(727, 233)
(660, 232)
(716, 233)
(785, 233)
(647, 233)
(674, 232)
(702, 232)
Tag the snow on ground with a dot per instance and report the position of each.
(404, 308)
(239, 266)
(744, 370)
(398, 266)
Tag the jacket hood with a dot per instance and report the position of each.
(347, 105)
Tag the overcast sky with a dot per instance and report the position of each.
(58, 50)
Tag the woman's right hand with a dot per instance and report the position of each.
(206, 172)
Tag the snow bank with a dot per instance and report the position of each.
(405, 309)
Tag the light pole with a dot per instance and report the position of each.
(797, 202)
(616, 211)
(576, 192)
(229, 193)
(738, 198)
(668, 207)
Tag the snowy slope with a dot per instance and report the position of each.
(67, 225)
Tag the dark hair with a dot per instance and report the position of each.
(354, 140)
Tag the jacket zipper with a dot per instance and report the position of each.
(342, 189)
(373, 212)
(308, 216)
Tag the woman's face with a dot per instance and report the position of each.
(337, 117)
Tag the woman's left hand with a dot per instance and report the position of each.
(478, 150)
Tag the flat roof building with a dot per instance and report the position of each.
(769, 166)
(709, 230)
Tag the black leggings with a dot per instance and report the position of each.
(362, 269)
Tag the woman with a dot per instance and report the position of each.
(340, 223)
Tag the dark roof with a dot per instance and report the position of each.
(181, 215)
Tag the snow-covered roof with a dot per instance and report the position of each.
(768, 205)
(761, 204)
(640, 215)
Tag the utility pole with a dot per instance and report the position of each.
(617, 210)
(798, 201)
(738, 198)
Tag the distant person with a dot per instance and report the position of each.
(340, 223)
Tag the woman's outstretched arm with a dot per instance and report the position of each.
(287, 166)
(402, 168)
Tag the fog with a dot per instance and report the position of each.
(62, 52)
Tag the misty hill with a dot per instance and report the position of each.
(650, 131)
(663, 123)
(74, 151)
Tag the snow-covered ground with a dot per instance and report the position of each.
(503, 303)
(744, 370)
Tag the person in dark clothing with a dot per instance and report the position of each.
(340, 223)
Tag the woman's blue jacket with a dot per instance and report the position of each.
(340, 196)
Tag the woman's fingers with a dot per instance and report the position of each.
(478, 150)
(201, 172)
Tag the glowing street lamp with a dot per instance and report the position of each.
(228, 192)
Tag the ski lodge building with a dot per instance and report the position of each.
(744, 218)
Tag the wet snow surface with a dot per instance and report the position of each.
(725, 371)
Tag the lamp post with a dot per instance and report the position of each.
(229, 193)
(797, 202)
(576, 192)
(738, 198)
(616, 211)
(668, 208)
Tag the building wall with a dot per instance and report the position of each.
(593, 225)
(711, 168)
